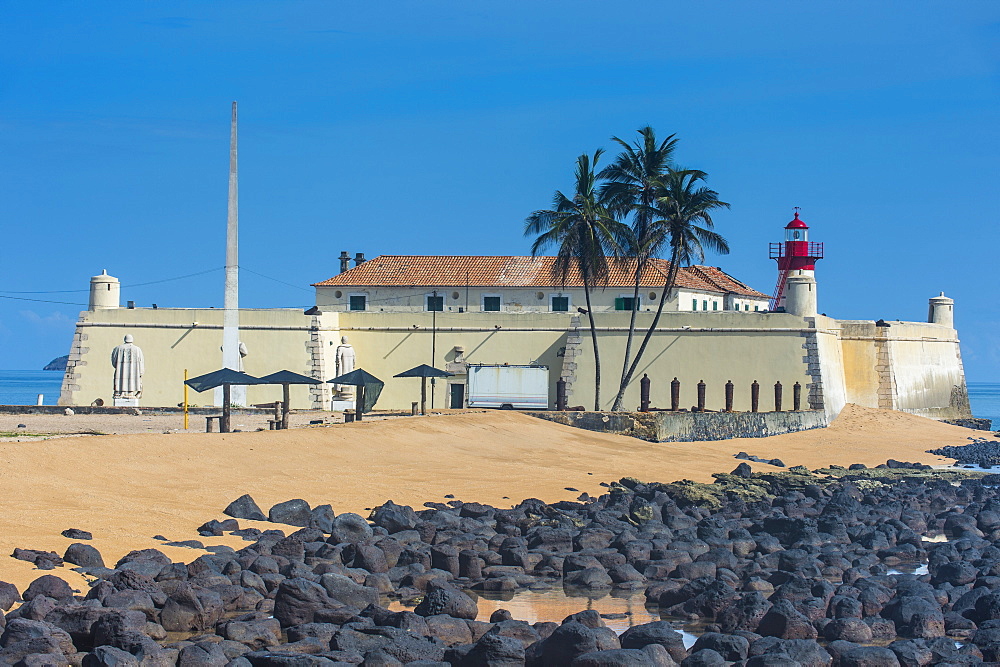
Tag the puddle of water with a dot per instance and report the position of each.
(626, 608)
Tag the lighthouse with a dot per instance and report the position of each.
(796, 256)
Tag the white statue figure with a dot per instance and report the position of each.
(345, 364)
(129, 367)
(243, 353)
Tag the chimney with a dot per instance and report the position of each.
(358, 258)
(345, 261)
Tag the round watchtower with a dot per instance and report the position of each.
(941, 310)
(105, 292)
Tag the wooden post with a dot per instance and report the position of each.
(359, 403)
(796, 397)
(423, 396)
(675, 395)
(777, 396)
(561, 395)
(285, 392)
(701, 395)
(754, 396)
(227, 395)
(729, 396)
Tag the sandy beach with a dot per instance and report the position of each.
(127, 488)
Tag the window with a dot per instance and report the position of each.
(746, 306)
(358, 302)
(435, 303)
(559, 303)
(625, 303)
(704, 304)
(715, 305)
(756, 308)
(491, 303)
(694, 304)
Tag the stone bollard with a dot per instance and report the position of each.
(777, 396)
(754, 396)
(561, 395)
(675, 395)
(796, 397)
(644, 393)
(701, 395)
(729, 396)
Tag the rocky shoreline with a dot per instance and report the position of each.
(792, 567)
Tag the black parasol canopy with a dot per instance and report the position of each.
(220, 378)
(423, 371)
(370, 387)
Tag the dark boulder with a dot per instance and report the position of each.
(244, 507)
(77, 534)
(784, 621)
(653, 655)
(350, 527)
(394, 518)
(657, 632)
(83, 555)
(493, 650)
(732, 648)
(292, 512)
(567, 642)
(190, 610)
(297, 600)
(109, 656)
(50, 586)
(345, 591)
(8, 595)
(322, 518)
(443, 598)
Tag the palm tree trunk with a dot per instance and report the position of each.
(667, 287)
(620, 396)
(597, 354)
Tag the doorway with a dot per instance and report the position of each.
(456, 394)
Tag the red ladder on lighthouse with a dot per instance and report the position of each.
(795, 254)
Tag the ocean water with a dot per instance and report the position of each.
(984, 398)
(23, 387)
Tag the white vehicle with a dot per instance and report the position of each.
(508, 386)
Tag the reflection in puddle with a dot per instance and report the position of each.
(620, 609)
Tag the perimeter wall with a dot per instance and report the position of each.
(914, 367)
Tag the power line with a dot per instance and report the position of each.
(21, 298)
(275, 279)
(151, 282)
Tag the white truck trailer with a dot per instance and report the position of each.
(508, 386)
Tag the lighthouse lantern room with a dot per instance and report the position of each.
(797, 255)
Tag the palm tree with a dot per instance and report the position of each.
(682, 215)
(583, 231)
(632, 187)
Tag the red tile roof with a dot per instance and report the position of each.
(519, 271)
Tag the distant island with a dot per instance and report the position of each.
(57, 364)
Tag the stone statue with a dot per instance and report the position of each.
(345, 364)
(129, 367)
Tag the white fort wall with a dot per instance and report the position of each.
(914, 367)
(171, 342)
(715, 347)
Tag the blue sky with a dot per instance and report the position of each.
(436, 127)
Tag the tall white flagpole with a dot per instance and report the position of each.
(231, 316)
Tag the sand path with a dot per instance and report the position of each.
(127, 488)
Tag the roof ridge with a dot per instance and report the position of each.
(708, 278)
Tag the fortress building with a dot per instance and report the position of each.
(488, 284)
(399, 311)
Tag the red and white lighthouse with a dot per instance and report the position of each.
(797, 255)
